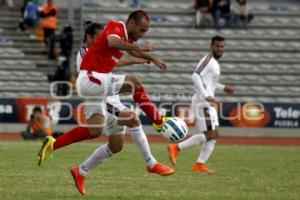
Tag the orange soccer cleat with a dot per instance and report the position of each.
(173, 152)
(161, 169)
(202, 168)
(79, 180)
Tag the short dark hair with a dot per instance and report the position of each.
(217, 38)
(91, 28)
(37, 109)
(138, 15)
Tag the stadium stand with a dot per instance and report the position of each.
(262, 61)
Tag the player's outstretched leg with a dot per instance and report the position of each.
(206, 150)
(74, 135)
(50, 144)
(77, 134)
(140, 96)
(174, 149)
(46, 149)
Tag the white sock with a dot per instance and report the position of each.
(192, 141)
(141, 141)
(97, 157)
(206, 150)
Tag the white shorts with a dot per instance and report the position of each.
(94, 89)
(113, 107)
(112, 127)
(112, 110)
(206, 117)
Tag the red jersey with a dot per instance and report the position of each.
(100, 57)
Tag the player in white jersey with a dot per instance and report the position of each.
(206, 81)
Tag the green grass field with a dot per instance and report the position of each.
(243, 172)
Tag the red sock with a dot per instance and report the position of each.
(141, 97)
(75, 135)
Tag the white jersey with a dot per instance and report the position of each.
(81, 53)
(206, 80)
(208, 69)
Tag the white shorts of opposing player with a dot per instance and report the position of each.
(206, 116)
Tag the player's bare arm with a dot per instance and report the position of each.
(148, 47)
(155, 60)
(131, 61)
(116, 43)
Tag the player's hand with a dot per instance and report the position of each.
(148, 47)
(159, 63)
(210, 100)
(229, 89)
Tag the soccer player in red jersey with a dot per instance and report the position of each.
(105, 53)
(95, 80)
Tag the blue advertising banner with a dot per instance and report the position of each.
(8, 111)
(256, 115)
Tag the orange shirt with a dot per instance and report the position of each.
(43, 123)
(50, 21)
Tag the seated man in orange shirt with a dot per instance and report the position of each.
(38, 125)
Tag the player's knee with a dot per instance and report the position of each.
(134, 122)
(131, 83)
(207, 135)
(95, 132)
(136, 82)
(216, 135)
(129, 119)
(116, 148)
(211, 135)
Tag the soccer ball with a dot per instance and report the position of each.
(174, 129)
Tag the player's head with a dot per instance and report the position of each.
(137, 24)
(91, 32)
(217, 46)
